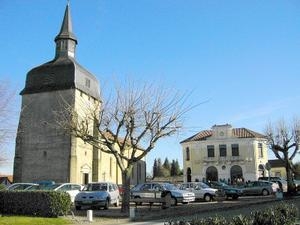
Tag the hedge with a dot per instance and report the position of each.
(283, 214)
(35, 203)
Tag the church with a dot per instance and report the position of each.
(46, 152)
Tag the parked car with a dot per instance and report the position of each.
(226, 190)
(201, 190)
(257, 188)
(70, 188)
(21, 186)
(98, 195)
(159, 190)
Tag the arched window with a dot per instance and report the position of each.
(261, 169)
(188, 174)
(212, 173)
(187, 154)
(236, 173)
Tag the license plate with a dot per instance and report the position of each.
(87, 202)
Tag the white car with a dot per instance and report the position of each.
(200, 189)
(70, 188)
(97, 195)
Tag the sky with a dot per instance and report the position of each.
(239, 59)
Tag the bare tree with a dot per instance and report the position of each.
(6, 129)
(128, 125)
(283, 140)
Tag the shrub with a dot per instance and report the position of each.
(35, 203)
(282, 214)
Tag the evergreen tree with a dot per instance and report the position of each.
(166, 164)
(177, 168)
(155, 169)
(159, 168)
(166, 168)
(173, 169)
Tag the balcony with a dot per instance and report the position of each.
(224, 159)
(210, 159)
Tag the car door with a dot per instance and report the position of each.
(198, 190)
(146, 191)
(247, 190)
(157, 190)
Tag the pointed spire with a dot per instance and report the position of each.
(66, 41)
(66, 31)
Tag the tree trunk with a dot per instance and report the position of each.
(289, 175)
(126, 194)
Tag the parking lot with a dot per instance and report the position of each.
(243, 205)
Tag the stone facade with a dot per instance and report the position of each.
(224, 153)
(43, 150)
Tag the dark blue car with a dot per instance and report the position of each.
(226, 190)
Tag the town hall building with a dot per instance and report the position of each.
(224, 153)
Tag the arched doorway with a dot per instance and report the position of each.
(261, 169)
(188, 174)
(212, 173)
(236, 173)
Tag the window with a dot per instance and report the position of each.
(260, 150)
(139, 171)
(222, 149)
(87, 82)
(187, 154)
(110, 167)
(210, 151)
(235, 150)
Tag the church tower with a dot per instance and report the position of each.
(44, 151)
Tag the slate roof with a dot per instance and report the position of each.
(60, 74)
(236, 132)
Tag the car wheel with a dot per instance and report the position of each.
(235, 197)
(265, 192)
(138, 197)
(106, 206)
(207, 197)
(78, 207)
(173, 201)
(117, 202)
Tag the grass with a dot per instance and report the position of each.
(25, 220)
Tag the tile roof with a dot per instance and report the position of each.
(236, 132)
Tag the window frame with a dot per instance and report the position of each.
(210, 151)
(222, 150)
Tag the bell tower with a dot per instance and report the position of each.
(44, 151)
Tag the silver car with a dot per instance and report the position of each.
(159, 190)
(21, 186)
(98, 195)
(257, 188)
(201, 190)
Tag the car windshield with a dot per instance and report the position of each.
(169, 187)
(50, 187)
(96, 187)
(222, 184)
(202, 185)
